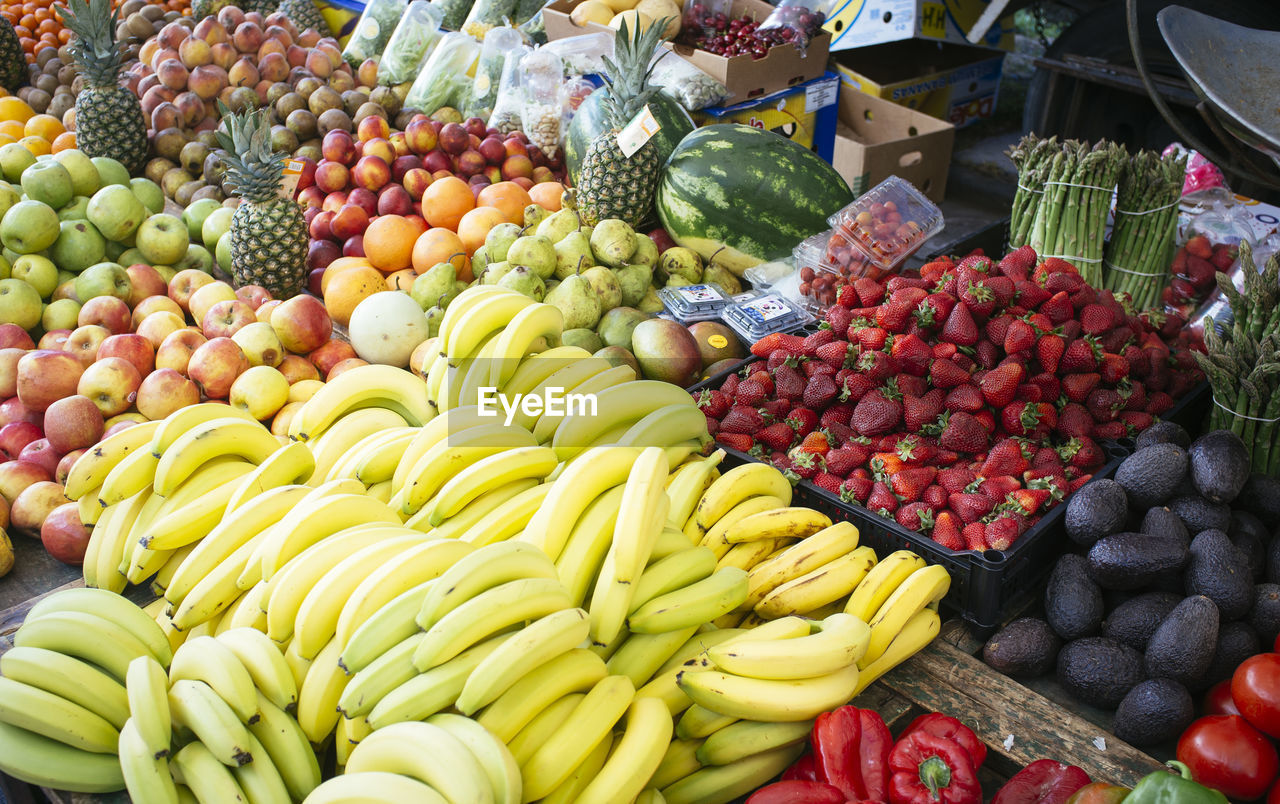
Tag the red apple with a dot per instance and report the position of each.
(492, 150)
(176, 349)
(134, 348)
(154, 304)
(416, 181)
(338, 146)
(315, 277)
(371, 173)
(297, 367)
(226, 317)
(84, 342)
(354, 247)
(437, 162)
(44, 377)
(332, 176)
(399, 143)
(15, 436)
(319, 227)
(67, 461)
(9, 371)
(12, 335)
(403, 165)
(302, 324)
(365, 199)
(164, 391)
(16, 476)
(661, 239)
(158, 326)
(475, 126)
(74, 422)
(42, 454)
(349, 221)
(373, 127)
(215, 365)
(514, 166)
(310, 197)
(515, 146)
(111, 384)
(146, 281)
(394, 200)
(33, 506)
(263, 313)
(253, 295)
(54, 339)
(334, 201)
(454, 139)
(320, 253)
(380, 148)
(331, 354)
(64, 536)
(420, 137)
(12, 410)
(186, 282)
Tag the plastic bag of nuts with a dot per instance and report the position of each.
(545, 100)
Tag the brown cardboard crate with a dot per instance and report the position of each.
(876, 139)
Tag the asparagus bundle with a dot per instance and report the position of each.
(1142, 240)
(1071, 218)
(1032, 156)
(1243, 363)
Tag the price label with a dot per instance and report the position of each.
(640, 130)
(821, 95)
(292, 173)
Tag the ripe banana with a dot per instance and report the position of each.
(634, 757)
(542, 727)
(384, 674)
(881, 582)
(377, 460)
(345, 435)
(196, 707)
(96, 640)
(738, 484)
(746, 738)
(455, 453)
(532, 646)
(747, 555)
(598, 470)
(523, 331)
(428, 693)
(495, 758)
(680, 760)
(831, 582)
(147, 687)
(506, 519)
(723, 783)
(260, 780)
(196, 766)
(549, 422)
(186, 524)
(629, 402)
(208, 440)
(698, 722)
(291, 464)
(208, 660)
(792, 522)
(533, 369)
(571, 788)
(91, 469)
(640, 655)
(482, 570)
(482, 506)
(374, 787)
(298, 666)
(588, 543)
(574, 672)
(265, 665)
(185, 419)
(427, 753)
(686, 485)
(488, 474)
(448, 424)
(69, 678)
(307, 525)
(245, 613)
(488, 613)
(714, 536)
(102, 603)
(319, 692)
(670, 541)
(590, 722)
(214, 593)
(667, 427)
(478, 320)
(800, 559)
(925, 587)
(132, 474)
(146, 776)
(391, 623)
(840, 640)
(700, 602)
(287, 749)
(363, 387)
(565, 379)
(769, 699)
(113, 530)
(55, 717)
(918, 632)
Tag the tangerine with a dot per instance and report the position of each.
(441, 245)
(350, 287)
(446, 200)
(507, 196)
(475, 226)
(388, 242)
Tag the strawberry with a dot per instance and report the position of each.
(934, 269)
(870, 292)
(956, 478)
(910, 384)
(812, 368)
(1110, 431)
(935, 497)
(819, 393)
(893, 315)
(965, 398)
(877, 412)
(839, 317)
(1029, 392)
(975, 536)
(839, 413)
(944, 351)
(963, 433)
(776, 340)
(1017, 264)
(1223, 256)
(872, 338)
(970, 507)
(946, 530)
(806, 465)
(1020, 337)
(1070, 330)
(809, 346)
(1077, 387)
(946, 374)
(998, 487)
(997, 327)
(909, 484)
(987, 354)
(750, 393)
(1134, 394)
(1029, 294)
(1046, 458)
(881, 499)
(788, 382)
(843, 460)
(815, 443)
(1029, 500)
(877, 366)
(775, 408)
(1005, 458)
(1082, 354)
(1136, 421)
(1002, 288)
(1001, 384)
(857, 487)
(1020, 417)
(713, 403)
(839, 433)
(855, 387)
(1096, 319)
(1083, 453)
(976, 261)
(1057, 308)
(828, 482)
(1199, 246)
(987, 419)
(1074, 421)
(1063, 280)
(713, 426)
(1049, 349)
(1050, 387)
(846, 298)
(979, 298)
(915, 516)
(1001, 533)
(834, 354)
(884, 465)
(1114, 368)
(918, 411)
(911, 354)
(741, 419)
(960, 327)
(1104, 404)
(730, 385)
(777, 436)
(739, 441)
(1158, 403)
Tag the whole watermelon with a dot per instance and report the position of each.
(746, 195)
(588, 123)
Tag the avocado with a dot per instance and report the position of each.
(1072, 601)
(1237, 641)
(1150, 476)
(1261, 496)
(1250, 537)
(1265, 614)
(1199, 514)
(1134, 560)
(1181, 648)
(1219, 465)
(1273, 561)
(1163, 522)
(1099, 671)
(1162, 433)
(1026, 647)
(1220, 572)
(1113, 599)
(1098, 509)
(1155, 711)
(1134, 621)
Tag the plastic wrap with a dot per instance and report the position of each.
(1201, 173)
(454, 13)
(527, 9)
(486, 15)
(493, 55)
(686, 84)
(1207, 245)
(505, 115)
(445, 79)
(1216, 304)
(705, 18)
(792, 21)
(371, 33)
(582, 55)
(410, 44)
(545, 101)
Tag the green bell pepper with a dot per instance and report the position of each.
(1163, 787)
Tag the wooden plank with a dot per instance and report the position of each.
(943, 678)
(34, 572)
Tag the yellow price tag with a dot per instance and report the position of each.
(718, 341)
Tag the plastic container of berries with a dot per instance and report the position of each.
(764, 313)
(691, 303)
(884, 227)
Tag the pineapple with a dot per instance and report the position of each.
(208, 8)
(268, 231)
(611, 185)
(305, 14)
(109, 119)
(13, 64)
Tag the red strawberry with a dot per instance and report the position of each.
(915, 516)
(872, 338)
(828, 482)
(976, 261)
(776, 408)
(1057, 308)
(1001, 384)
(741, 419)
(713, 403)
(877, 366)
(776, 340)
(777, 436)
(1158, 403)
(739, 441)
(809, 346)
(1005, 458)
(963, 433)
(834, 354)
(1029, 500)
(846, 298)
(877, 412)
(1029, 392)
(1020, 337)
(730, 385)
(946, 374)
(987, 354)
(820, 391)
(788, 383)
(894, 315)
(1049, 349)
(713, 426)
(946, 530)
(1017, 264)
(812, 368)
(1077, 387)
(980, 299)
(945, 351)
(965, 398)
(918, 411)
(1046, 457)
(997, 327)
(839, 413)
(911, 354)
(1110, 431)
(909, 484)
(1074, 421)
(779, 357)
(1135, 395)
(1050, 387)
(960, 327)
(934, 496)
(987, 419)
(975, 536)
(998, 487)
(1002, 288)
(750, 393)
(1063, 279)
(839, 316)
(1114, 368)
(910, 384)
(1083, 453)
(857, 487)
(855, 387)
(805, 464)
(884, 465)
(1029, 294)
(1082, 354)
(955, 479)
(815, 443)
(1096, 319)
(870, 292)
(1223, 256)
(1199, 246)
(881, 498)
(1104, 404)
(1019, 417)
(842, 461)
(970, 507)
(1002, 532)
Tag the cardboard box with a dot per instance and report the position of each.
(341, 17)
(806, 114)
(876, 139)
(744, 76)
(955, 83)
(858, 23)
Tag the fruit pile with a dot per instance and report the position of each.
(1195, 265)
(715, 32)
(962, 403)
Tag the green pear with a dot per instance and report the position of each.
(582, 338)
(495, 271)
(682, 261)
(535, 215)
(434, 315)
(78, 246)
(605, 283)
(479, 261)
(556, 226)
(651, 303)
(634, 281)
(535, 252)
(460, 286)
(678, 281)
(646, 252)
(576, 301)
(573, 254)
(616, 326)
(723, 278)
(523, 279)
(613, 242)
(435, 286)
(500, 239)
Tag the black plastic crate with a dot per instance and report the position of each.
(992, 239)
(1191, 412)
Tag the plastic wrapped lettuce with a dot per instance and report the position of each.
(445, 79)
(526, 9)
(493, 55)
(373, 30)
(510, 100)
(486, 15)
(410, 44)
(582, 55)
(454, 13)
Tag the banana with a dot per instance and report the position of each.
(831, 582)
(746, 555)
(298, 666)
(492, 754)
(667, 426)
(769, 699)
(102, 603)
(588, 543)
(146, 776)
(343, 436)
(532, 646)
(680, 760)
(635, 756)
(377, 461)
(474, 296)
(487, 475)
(437, 393)
(792, 522)
(208, 660)
(566, 377)
(925, 587)
(215, 592)
(89, 510)
(206, 478)
(738, 484)
(686, 486)
(724, 783)
(55, 717)
(840, 640)
(455, 453)
(144, 563)
(208, 440)
(526, 743)
(881, 582)
(919, 631)
(191, 522)
(507, 518)
(381, 492)
(674, 572)
(670, 541)
(572, 787)
(248, 611)
(113, 529)
(185, 419)
(91, 469)
(265, 665)
(374, 787)
(521, 332)
(590, 722)
(488, 613)
(319, 692)
(640, 656)
(800, 559)
(260, 780)
(147, 687)
(38, 760)
(427, 753)
(428, 693)
(698, 722)
(664, 684)
(372, 386)
(369, 686)
(391, 623)
(69, 678)
(629, 402)
(481, 507)
(700, 602)
(198, 767)
(714, 536)
(308, 525)
(598, 470)
(549, 422)
(746, 738)
(533, 369)
(132, 474)
(196, 707)
(287, 749)
(448, 424)
(346, 736)
(288, 466)
(96, 640)
(574, 672)
(484, 569)
(479, 321)
(164, 576)
(473, 374)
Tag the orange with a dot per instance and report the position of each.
(5, 139)
(44, 125)
(36, 145)
(446, 200)
(441, 245)
(13, 128)
(547, 195)
(65, 141)
(507, 196)
(388, 242)
(350, 287)
(339, 265)
(12, 108)
(475, 225)
(402, 280)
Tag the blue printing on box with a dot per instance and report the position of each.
(825, 119)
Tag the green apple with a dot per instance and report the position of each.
(116, 211)
(6, 268)
(66, 276)
(223, 252)
(110, 171)
(103, 279)
(131, 256)
(149, 193)
(215, 226)
(197, 257)
(19, 303)
(77, 210)
(195, 214)
(38, 272)
(84, 174)
(29, 226)
(163, 239)
(60, 314)
(48, 182)
(8, 197)
(167, 272)
(78, 246)
(15, 158)
(114, 250)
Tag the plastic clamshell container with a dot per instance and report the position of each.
(767, 274)
(812, 264)
(690, 303)
(764, 314)
(888, 222)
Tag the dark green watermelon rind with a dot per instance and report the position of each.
(588, 122)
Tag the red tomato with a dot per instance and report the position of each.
(1274, 796)
(1226, 753)
(1218, 701)
(1255, 687)
(1276, 647)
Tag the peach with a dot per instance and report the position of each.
(207, 81)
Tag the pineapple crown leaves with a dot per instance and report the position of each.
(94, 48)
(254, 169)
(627, 74)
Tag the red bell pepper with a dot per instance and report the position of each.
(1099, 793)
(949, 728)
(851, 752)
(928, 769)
(804, 769)
(797, 792)
(1045, 781)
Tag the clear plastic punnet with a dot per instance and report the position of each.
(764, 314)
(887, 224)
(690, 303)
